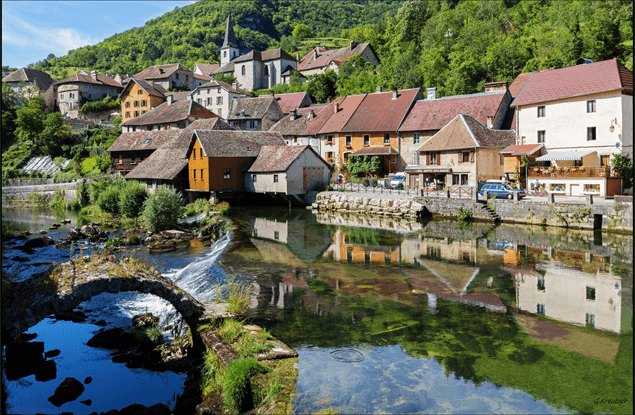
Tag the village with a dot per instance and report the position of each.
(549, 132)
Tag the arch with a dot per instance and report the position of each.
(242, 70)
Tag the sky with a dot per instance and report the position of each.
(31, 30)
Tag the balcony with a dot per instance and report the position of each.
(569, 172)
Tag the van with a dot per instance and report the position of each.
(398, 180)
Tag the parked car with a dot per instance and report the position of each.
(501, 190)
(398, 180)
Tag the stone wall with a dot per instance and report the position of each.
(362, 203)
(30, 182)
(19, 195)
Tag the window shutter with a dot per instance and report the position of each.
(427, 158)
(471, 157)
(460, 153)
(438, 158)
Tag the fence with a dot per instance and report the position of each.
(457, 192)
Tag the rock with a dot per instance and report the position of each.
(119, 339)
(164, 247)
(172, 234)
(42, 232)
(23, 359)
(144, 321)
(66, 221)
(87, 402)
(38, 242)
(74, 316)
(133, 409)
(56, 225)
(69, 390)
(52, 353)
(62, 244)
(100, 323)
(88, 380)
(156, 409)
(25, 233)
(26, 337)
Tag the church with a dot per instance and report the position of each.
(256, 69)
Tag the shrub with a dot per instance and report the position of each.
(98, 186)
(155, 334)
(37, 199)
(373, 181)
(162, 210)
(108, 201)
(464, 215)
(73, 205)
(133, 239)
(196, 207)
(222, 208)
(236, 385)
(114, 242)
(83, 196)
(131, 199)
(66, 176)
(58, 200)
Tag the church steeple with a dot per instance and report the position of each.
(229, 50)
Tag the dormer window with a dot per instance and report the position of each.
(147, 140)
(242, 113)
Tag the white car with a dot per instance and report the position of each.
(398, 180)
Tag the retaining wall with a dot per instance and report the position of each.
(19, 195)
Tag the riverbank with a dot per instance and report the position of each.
(617, 216)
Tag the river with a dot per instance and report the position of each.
(386, 316)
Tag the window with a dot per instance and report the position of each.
(415, 138)
(590, 134)
(275, 178)
(366, 139)
(182, 125)
(242, 70)
(139, 92)
(541, 111)
(136, 113)
(455, 179)
(329, 139)
(219, 100)
(386, 138)
(541, 136)
(224, 54)
(120, 159)
(435, 158)
(590, 293)
(208, 91)
(254, 177)
(202, 174)
(541, 284)
(590, 106)
(198, 101)
(464, 180)
(70, 105)
(266, 70)
(329, 156)
(252, 125)
(90, 87)
(349, 141)
(227, 174)
(415, 158)
(127, 114)
(147, 140)
(61, 96)
(201, 153)
(209, 101)
(276, 235)
(90, 96)
(71, 95)
(128, 104)
(220, 112)
(136, 103)
(540, 309)
(177, 76)
(465, 157)
(108, 89)
(590, 321)
(233, 123)
(194, 154)
(144, 103)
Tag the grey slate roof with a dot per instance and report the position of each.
(255, 108)
(230, 38)
(44, 165)
(236, 143)
(38, 78)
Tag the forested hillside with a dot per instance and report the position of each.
(453, 45)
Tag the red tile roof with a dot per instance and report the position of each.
(586, 79)
(347, 106)
(466, 132)
(202, 77)
(291, 101)
(433, 114)
(313, 128)
(276, 158)
(86, 78)
(175, 112)
(137, 140)
(380, 112)
(296, 125)
(522, 149)
(325, 56)
(155, 90)
(161, 71)
(236, 143)
(518, 84)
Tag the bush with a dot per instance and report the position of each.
(198, 206)
(222, 208)
(236, 385)
(108, 201)
(131, 199)
(114, 242)
(162, 210)
(97, 187)
(58, 200)
(83, 196)
(37, 199)
(66, 176)
(155, 334)
(133, 239)
(73, 205)
(238, 296)
(464, 215)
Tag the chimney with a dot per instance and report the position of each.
(395, 94)
(297, 56)
(93, 74)
(496, 86)
(378, 88)
(315, 55)
(310, 115)
(336, 107)
(353, 43)
(235, 85)
(432, 93)
(490, 121)
(170, 99)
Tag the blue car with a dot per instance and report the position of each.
(501, 190)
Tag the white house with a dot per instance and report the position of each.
(582, 114)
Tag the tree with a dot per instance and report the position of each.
(55, 136)
(623, 166)
(230, 79)
(30, 119)
(9, 116)
(302, 31)
(162, 210)
(322, 87)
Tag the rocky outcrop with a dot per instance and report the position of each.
(69, 390)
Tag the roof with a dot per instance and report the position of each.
(236, 143)
(154, 90)
(230, 38)
(380, 112)
(178, 96)
(216, 123)
(36, 77)
(228, 67)
(167, 113)
(522, 149)
(85, 77)
(224, 85)
(466, 132)
(321, 117)
(202, 77)
(346, 108)
(143, 140)
(375, 151)
(565, 155)
(161, 71)
(293, 124)
(254, 108)
(325, 56)
(161, 164)
(264, 56)
(206, 68)
(291, 101)
(276, 158)
(518, 84)
(433, 114)
(586, 79)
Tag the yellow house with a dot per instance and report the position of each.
(139, 97)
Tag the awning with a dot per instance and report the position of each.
(565, 155)
(522, 149)
(375, 151)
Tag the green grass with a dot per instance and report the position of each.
(251, 344)
(236, 384)
(231, 330)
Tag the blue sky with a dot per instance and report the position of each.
(33, 29)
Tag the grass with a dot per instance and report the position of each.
(236, 384)
(155, 334)
(222, 208)
(231, 330)
(237, 295)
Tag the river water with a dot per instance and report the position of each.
(386, 316)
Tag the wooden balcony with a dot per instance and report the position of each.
(569, 172)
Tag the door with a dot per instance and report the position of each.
(414, 180)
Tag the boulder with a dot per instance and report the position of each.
(43, 232)
(144, 321)
(74, 234)
(38, 242)
(25, 233)
(23, 359)
(62, 244)
(74, 316)
(69, 390)
(172, 234)
(52, 353)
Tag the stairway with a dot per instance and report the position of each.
(489, 212)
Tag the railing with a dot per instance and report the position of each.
(463, 192)
(569, 172)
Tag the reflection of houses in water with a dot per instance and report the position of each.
(346, 249)
(591, 300)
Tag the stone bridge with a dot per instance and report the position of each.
(63, 288)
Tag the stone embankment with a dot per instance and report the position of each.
(16, 196)
(385, 205)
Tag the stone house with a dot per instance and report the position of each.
(168, 116)
(139, 97)
(255, 114)
(205, 68)
(373, 128)
(323, 137)
(321, 59)
(169, 76)
(462, 153)
(217, 96)
(27, 83)
(293, 126)
(81, 87)
(429, 115)
(217, 160)
(289, 170)
(583, 115)
(131, 148)
(200, 80)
